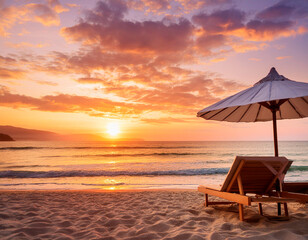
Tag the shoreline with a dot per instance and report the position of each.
(138, 214)
(100, 190)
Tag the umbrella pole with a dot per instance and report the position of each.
(275, 132)
(278, 189)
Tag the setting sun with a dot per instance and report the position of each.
(113, 129)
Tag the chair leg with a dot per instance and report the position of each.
(286, 212)
(260, 209)
(206, 203)
(279, 209)
(241, 211)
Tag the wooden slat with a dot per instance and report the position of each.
(260, 164)
(255, 180)
(264, 158)
(220, 203)
(233, 197)
(272, 199)
(235, 175)
(271, 168)
(240, 184)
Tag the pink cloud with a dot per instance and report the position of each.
(105, 25)
(275, 12)
(285, 10)
(207, 43)
(283, 19)
(221, 20)
(44, 13)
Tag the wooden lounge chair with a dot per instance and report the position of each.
(255, 180)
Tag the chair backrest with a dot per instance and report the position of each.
(258, 174)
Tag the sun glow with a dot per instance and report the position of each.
(113, 129)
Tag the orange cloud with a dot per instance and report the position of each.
(265, 31)
(245, 46)
(68, 103)
(26, 45)
(282, 57)
(45, 13)
(167, 120)
(218, 59)
(155, 6)
(172, 7)
(144, 88)
(11, 73)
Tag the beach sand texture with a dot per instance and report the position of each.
(175, 214)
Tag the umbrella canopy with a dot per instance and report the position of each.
(273, 97)
(253, 104)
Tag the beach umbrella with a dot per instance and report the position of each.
(272, 98)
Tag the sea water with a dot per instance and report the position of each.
(133, 165)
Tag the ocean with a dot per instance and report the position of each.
(27, 165)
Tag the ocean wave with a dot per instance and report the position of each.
(82, 173)
(25, 166)
(102, 147)
(21, 148)
(298, 168)
(129, 155)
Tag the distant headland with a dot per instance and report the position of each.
(5, 137)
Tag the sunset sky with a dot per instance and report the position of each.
(145, 67)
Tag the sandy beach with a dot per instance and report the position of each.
(160, 214)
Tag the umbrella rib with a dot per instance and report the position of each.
(214, 114)
(245, 112)
(204, 114)
(304, 100)
(280, 113)
(258, 112)
(231, 113)
(255, 94)
(295, 109)
(270, 90)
